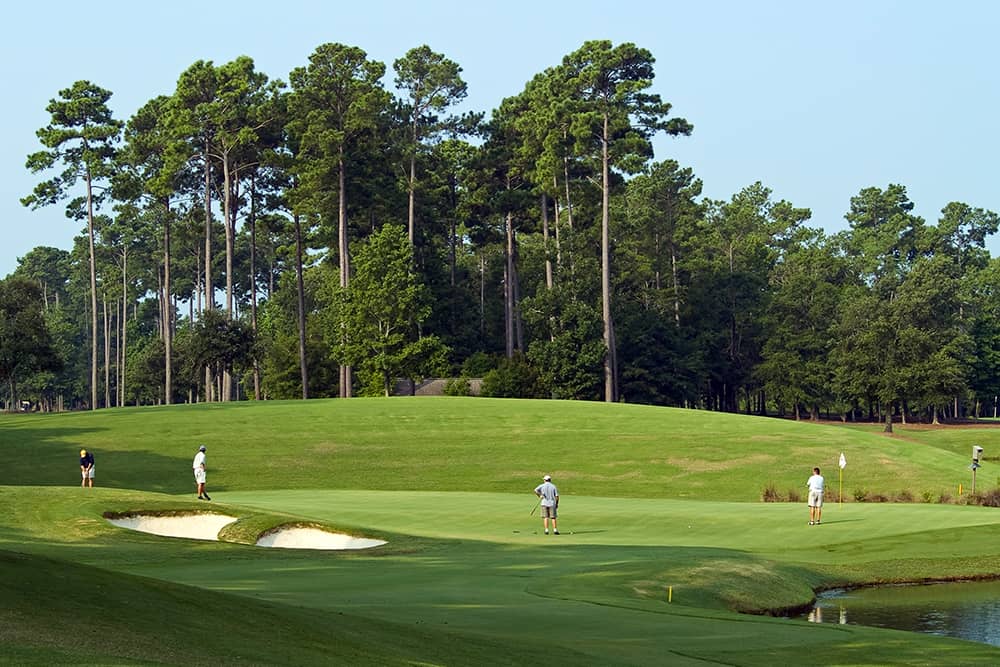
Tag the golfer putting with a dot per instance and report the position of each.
(548, 496)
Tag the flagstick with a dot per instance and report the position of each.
(841, 486)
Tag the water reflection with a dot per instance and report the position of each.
(967, 610)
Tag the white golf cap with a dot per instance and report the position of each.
(547, 478)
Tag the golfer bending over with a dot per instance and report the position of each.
(815, 485)
(199, 473)
(549, 495)
(86, 468)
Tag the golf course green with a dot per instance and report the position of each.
(666, 556)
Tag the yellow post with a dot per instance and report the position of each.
(670, 593)
(959, 489)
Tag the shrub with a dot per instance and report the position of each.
(861, 495)
(927, 496)
(879, 498)
(513, 378)
(972, 499)
(944, 498)
(478, 364)
(904, 496)
(990, 498)
(794, 496)
(770, 494)
(457, 387)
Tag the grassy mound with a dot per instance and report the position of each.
(444, 443)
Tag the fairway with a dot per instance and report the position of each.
(650, 573)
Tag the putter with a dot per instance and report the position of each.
(535, 507)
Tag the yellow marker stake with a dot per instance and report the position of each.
(670, 593)
(959, 489)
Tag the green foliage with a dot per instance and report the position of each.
(457, 387)
(729, 304)
(220, 344)
(26, 347)
(512, 378)
(479, 364)
(569, 355)
(380, 314)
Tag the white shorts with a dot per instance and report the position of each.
(88, 474)
(815, 499)
(199, 475)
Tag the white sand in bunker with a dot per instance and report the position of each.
(193, 526)
(314, 538)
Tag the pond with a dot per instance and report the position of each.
(964, 610)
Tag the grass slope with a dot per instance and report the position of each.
(465, 578)
(470, 443)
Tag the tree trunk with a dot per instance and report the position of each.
(346, 390)
(107, 355)
(119, 322)
(508, 289)
(482, 295)
(168, 312)
(230, 228)
(229, 224)
(411, 185)
(209, 300)
(300, 288)
(124, 335)
(610, 389)
(452, 232)
(677, 290)
(545, 241)
(558, 215)
(888, 419)
(253, 283)
(93, 293)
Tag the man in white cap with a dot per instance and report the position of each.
(549, 495)
(199, 473)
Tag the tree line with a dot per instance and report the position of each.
(250, 238)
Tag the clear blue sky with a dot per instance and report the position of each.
(815, 100)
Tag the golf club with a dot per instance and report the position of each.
(535, 507)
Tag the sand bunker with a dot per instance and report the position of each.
(314, 538)
(192, 526)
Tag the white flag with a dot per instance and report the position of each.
(843, 461)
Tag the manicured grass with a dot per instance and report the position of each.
(470, 444)
(466, 577)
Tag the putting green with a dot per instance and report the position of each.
(601, 587)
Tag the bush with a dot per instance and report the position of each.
(861, 495)
(794, 496)
(770, 494)
(513, 378)
(989, 498)
(927, 496)
(879, 498)
(944, 498)
(457, 387)
(904, 496)
(478, 364)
